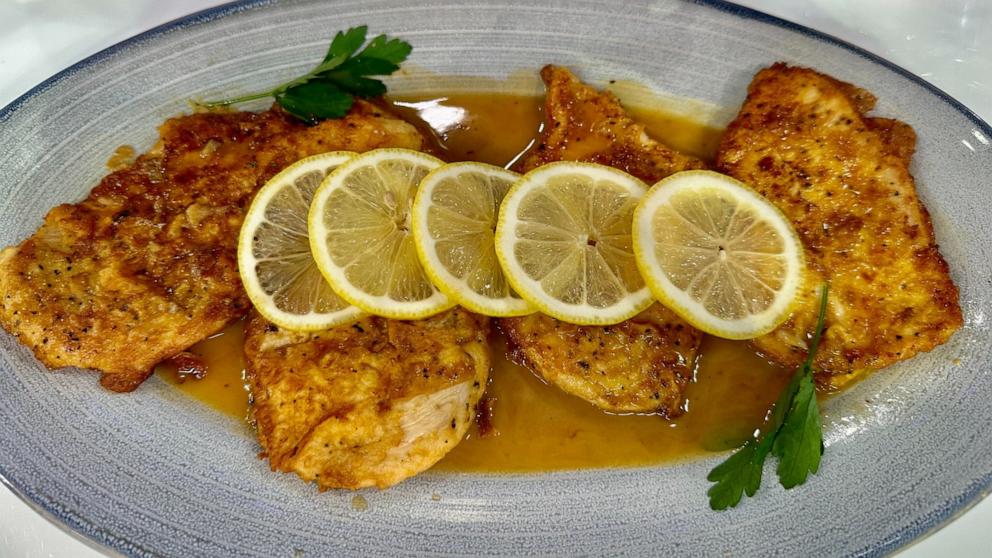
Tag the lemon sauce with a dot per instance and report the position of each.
(532, 426)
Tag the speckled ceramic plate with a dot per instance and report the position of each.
(156, 473)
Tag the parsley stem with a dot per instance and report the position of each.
(792, 433)
(241, 99)
(324, 66)
(820, 322)
(330, 88)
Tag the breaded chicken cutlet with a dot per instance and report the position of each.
(145, 266)
(642, 364)
(585, 124)
(366, 404)
(803, 141)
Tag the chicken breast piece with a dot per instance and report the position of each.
(640, 365)
(643, 364)
(367, 404)
(585, 124)
(803, 141)
(145, 266)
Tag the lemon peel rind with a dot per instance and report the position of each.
(585, 315)
(262, 301)
(661, 286)
(424, 242)
(381, 305)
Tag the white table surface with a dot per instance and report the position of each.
(948, 42)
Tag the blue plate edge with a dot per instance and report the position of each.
(195, 18)
(102, 540)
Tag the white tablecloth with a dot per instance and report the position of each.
(948, 42)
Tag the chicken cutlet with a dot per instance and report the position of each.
(366, 404)
(145, 266)
(803, 141)
(585, 124)
(642, 364)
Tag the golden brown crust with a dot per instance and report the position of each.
(145, 266)
(802, 140)
(583, 124)
(366, 404)
(641, 365)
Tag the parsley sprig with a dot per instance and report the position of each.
(330, 88)
(792, 434)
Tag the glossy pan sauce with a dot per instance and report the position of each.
(532, 426)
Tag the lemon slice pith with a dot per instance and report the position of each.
(274, 257)
(564, 241)
(718, 254)
(454, 221)
(361, 238)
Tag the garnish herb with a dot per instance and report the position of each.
(329, 90)
(792, 434)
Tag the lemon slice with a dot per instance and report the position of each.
(274, 259)
(718, 254)
(361, 234)
(454, 221)
(563, 239)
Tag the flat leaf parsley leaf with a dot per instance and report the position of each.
(792, 433)
(329, 90)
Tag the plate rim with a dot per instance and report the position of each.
(98, 539)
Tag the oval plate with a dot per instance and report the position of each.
(157, 473)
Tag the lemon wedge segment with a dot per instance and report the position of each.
(274, 258)
(564, 241)
(454, 223)
(718, 253)
(361, 234)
